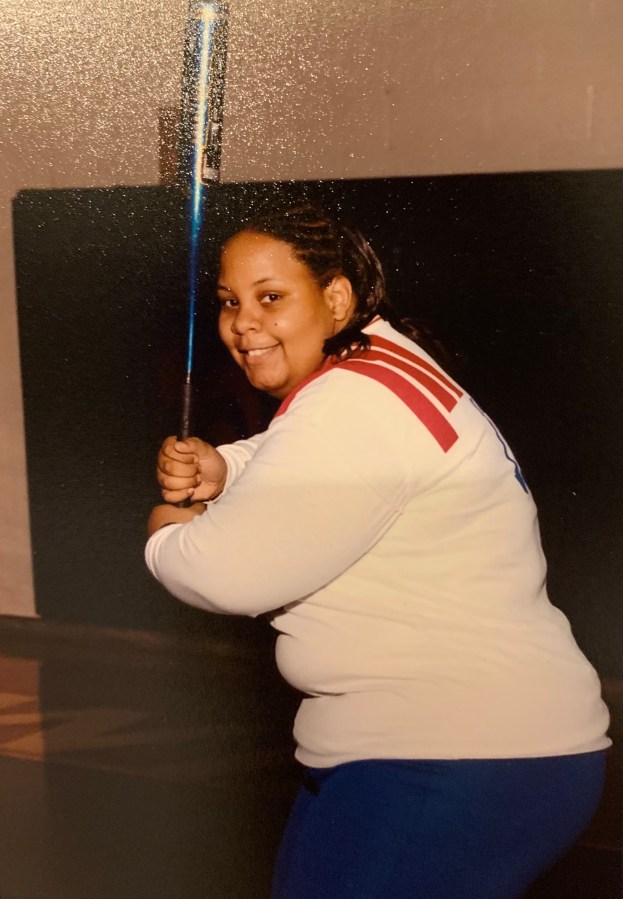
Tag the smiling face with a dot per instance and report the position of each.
(274, 316)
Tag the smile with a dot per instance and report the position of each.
(261, 351)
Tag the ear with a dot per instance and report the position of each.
(340, 298)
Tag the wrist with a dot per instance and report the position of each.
(224, 474)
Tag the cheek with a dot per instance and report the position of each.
(224, 331)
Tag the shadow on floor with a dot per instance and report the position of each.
(139, 765)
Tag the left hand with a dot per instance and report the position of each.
(168, 514)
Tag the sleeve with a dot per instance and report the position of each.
(237, 455)
(325, 484)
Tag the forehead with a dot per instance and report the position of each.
(248, 252)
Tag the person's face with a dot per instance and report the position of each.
(274, 318)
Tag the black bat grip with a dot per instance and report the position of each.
(184, 432)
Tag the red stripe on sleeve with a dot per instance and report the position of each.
(382, 343)
(448, 400)
(420, 405)
(430, 377)
(327, 364)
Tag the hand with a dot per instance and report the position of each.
(190, 468)
(167, 514)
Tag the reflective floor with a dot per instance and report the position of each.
(145, 766)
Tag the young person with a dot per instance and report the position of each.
(452, 733)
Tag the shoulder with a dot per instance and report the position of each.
(337, 400)
(340, 420)
(356, 424)
(393, 385)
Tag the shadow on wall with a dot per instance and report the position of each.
(518, 274)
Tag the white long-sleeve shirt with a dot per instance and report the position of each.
(384, 523)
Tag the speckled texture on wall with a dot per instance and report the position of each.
(315, 89)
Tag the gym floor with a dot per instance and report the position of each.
(136, 764)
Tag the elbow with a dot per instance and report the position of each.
(201, 596)
(224, 598)
(215, 605)
(210, 588)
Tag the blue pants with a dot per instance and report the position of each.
(475, 829)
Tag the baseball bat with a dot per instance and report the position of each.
(201, 123)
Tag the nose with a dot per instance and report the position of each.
(245, 319)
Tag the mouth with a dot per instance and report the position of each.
(257, 352)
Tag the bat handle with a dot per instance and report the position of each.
(184, 432)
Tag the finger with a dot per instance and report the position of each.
(187, 468)
(192, 445)
(168, 446)
(185, 482)
(197, 446)
(179, 450)
(171, 453)
(176, 496)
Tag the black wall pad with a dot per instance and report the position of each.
(519, 274)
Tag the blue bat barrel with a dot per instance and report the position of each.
(201, 123)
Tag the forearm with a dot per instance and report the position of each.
(247, 557)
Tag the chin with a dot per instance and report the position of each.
(278, 391)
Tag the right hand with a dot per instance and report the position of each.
(190, 468)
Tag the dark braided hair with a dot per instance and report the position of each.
(330, 248)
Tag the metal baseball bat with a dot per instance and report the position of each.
(201, 121)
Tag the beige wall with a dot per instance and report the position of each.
(315, 89)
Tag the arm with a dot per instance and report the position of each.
(318, 493)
